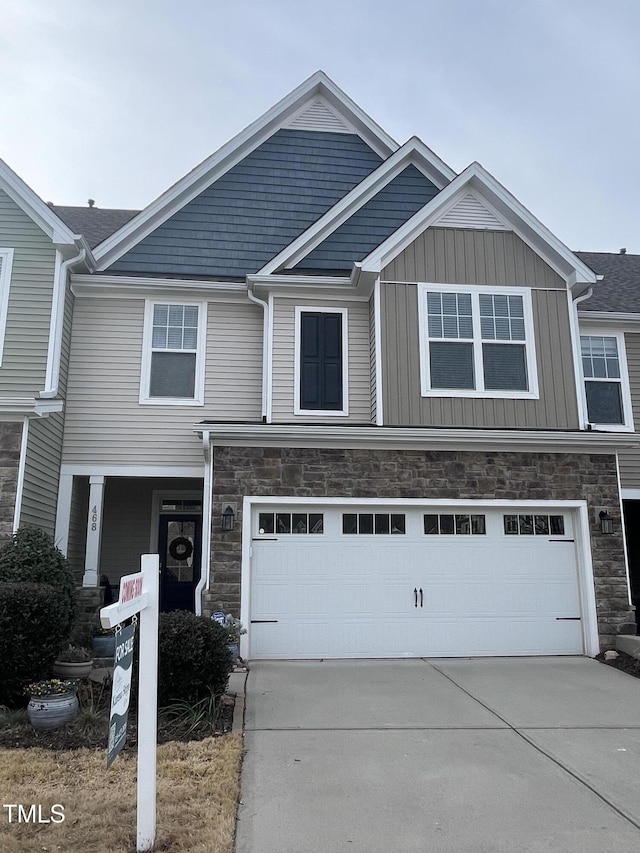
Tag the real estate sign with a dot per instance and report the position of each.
(121, 691)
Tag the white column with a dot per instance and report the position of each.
(94, 532)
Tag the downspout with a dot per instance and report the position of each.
(54, 355)
(266, 367)
(207, 501)
(575, 328)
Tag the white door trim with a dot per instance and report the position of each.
(586, 588)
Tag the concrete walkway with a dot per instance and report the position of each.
(446, 756)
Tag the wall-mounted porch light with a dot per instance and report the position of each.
(228, 518)
(606, 522)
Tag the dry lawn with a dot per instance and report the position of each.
(198, 784)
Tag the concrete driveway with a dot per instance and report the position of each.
(462, 756)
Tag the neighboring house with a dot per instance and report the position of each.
(37, 250)
(339, 388)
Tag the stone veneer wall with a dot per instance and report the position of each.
(10, 440)
(315, 472)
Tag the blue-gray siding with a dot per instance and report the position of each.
(373, 223)
(257, 208)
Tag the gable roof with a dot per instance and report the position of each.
(94, 223)
(290, 108)
(507, 209)
(619, 290)
(36, 209)
(412, 153)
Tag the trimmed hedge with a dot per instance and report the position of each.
(193, 658)
(33, 629)
(31, 556)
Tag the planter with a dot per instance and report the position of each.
(234, 649)
(51, 712)
(69, 669)
(104, 645)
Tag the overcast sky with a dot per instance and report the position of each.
(115, 100)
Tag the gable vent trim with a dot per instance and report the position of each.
(470, 212)
(320, 116)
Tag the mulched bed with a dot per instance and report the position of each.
(92, 733)
(624, 662)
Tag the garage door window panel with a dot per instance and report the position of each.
(445, 524)
(476, 343)
(533, 525)
(288, 523)
(377, 524)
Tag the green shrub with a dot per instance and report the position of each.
(193, 658)
(31, 556)
(33, 629)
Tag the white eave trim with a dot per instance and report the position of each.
(321, 435)
(357, 285)
(35, 207)
(211, 169)
(29, 407)
(413, 153)
(521, 220)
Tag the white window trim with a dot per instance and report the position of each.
(627, 411)
(308, 309)
(475, 291)
(145, 377)
(6, 255)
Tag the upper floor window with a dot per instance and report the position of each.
(476, 342)
(6, 262)
(173, 354)
(605, 380)
(321, 361)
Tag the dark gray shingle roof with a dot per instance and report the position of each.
(619, 291)
(94, 223)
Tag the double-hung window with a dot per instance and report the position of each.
(6, 262)
(476, 342)
(321, 361)
(605, 380)
(173, 354)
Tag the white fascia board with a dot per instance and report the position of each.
(413, 153)
(103, 286)
(35, 207)
(415, 438)
(28, 407)
(231, 153)
(357, 285)
(522, 222)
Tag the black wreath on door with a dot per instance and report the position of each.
(180, 548)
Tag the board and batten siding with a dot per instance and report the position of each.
(284, 361)
(42, 472)
(450, 256)
(105, 422)
(469, 256)
(630, 459)
(24, 361)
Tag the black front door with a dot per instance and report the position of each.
(179, 546)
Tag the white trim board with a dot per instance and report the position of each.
(202, 176)
(17, 509)
(149, 471)
(579, 508)
(6, 265)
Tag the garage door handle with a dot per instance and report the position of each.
(415, 597)
(420, 596)
(568, 618)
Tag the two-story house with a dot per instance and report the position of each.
(37, 252)
(342, 390)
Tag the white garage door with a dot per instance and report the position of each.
(345, 581)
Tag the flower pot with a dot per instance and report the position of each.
(104, 645)
(53, 711)
(70, 669)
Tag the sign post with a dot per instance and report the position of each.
(139, 593)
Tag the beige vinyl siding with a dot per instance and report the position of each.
(284, 361)
(372, 357)
(105, 423)
(630, 459)
(78, 526)
(403, 401)
(41, 472)
(127, 521)
(468, 256)
(24, 361)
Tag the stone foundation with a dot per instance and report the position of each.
(315, 472)
(10, 440)
(87, 615)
